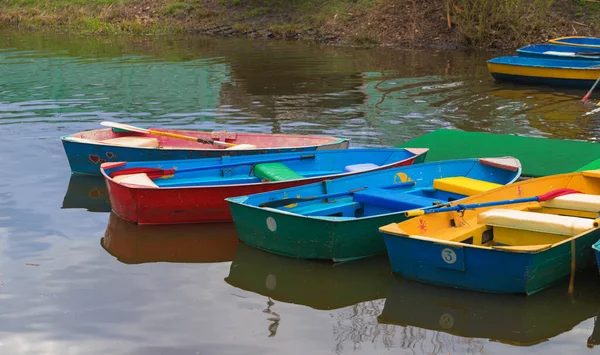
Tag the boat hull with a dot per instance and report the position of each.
(85, 158)
(310, 238)
(485, 270)
(577, 41)
(578, 78)
(206, 203)
(596, 248)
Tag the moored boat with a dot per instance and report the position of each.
(87, 150)
(192, 191)
(577, 41)
(339, 220)
(504, 318)
(520, 238)
(542, 71)
(555, 51)
(189, 243)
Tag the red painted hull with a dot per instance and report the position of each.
(202, 204)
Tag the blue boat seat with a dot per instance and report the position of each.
(395, 200)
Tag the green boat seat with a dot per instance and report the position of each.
(395, 200)
(275, 172)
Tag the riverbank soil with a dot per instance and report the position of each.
(397, 23)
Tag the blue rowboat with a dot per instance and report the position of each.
(555, 51)
(194, 190)
(503, 246)
(542, 71)
(508, 319)
(577, 41)
(86, 151)
(338, 220)
(597, 251)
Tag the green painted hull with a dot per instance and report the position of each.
(538, 156)
(311, 238)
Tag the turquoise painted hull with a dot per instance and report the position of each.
(345, 228)
(488, 270)
(596, 248)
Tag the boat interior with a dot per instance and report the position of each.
(382, 200)
(523, 227)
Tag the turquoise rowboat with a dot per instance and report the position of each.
(338, 219)
(597, 251)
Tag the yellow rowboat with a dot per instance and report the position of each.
(491, 242)
(542, 71)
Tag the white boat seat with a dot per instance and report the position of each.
(141, 179)
(578, 202)
(534, 221)
(133, 141)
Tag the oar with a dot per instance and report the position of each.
(154, 173)
(287, 201)
(130, 128)
(545, 197)
(587, 96)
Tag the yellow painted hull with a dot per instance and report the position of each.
(542, 72)
(564, 41)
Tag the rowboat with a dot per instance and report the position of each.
(504, 318)
(542, 71)
(522, 246)
(577, 41)
(87, 150)
(310, 283)
(538, 155)
(186, 243)
(338, 221)
(555, 51)
(193, 190)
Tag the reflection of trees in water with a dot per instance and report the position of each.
(358, 324)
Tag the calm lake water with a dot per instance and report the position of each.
(75, 279)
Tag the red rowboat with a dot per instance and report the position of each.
(194, 190)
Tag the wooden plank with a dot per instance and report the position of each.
(538, 156)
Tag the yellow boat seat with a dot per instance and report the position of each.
(578, 202)
(463, 185)
(133, 141)
(136, 179)
(534, 221)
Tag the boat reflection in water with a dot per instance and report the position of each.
(594, 339)
(505, 318)
(87, 192)
(186, 243)
(317, 284)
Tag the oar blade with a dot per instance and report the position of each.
(124, 127)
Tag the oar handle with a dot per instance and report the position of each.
(189, 138)
(461, 207)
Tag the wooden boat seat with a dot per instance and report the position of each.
(360, 167)
(136, 179)
(463, 185)
(133, 141)
(275, 172)
(534, 221)
(395, 200)
(578, 202)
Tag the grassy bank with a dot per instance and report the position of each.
(432, 23)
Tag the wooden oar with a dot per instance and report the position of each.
(545, 197)
(155, 173)
(130, 128)
(288, 201)
(587, 96)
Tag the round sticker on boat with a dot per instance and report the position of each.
(446, 321)
(271, 224)
(449, 256)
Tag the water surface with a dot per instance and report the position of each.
(77, 280)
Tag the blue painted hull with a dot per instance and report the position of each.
(555, 51)
(487, 270)
(86, 159)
